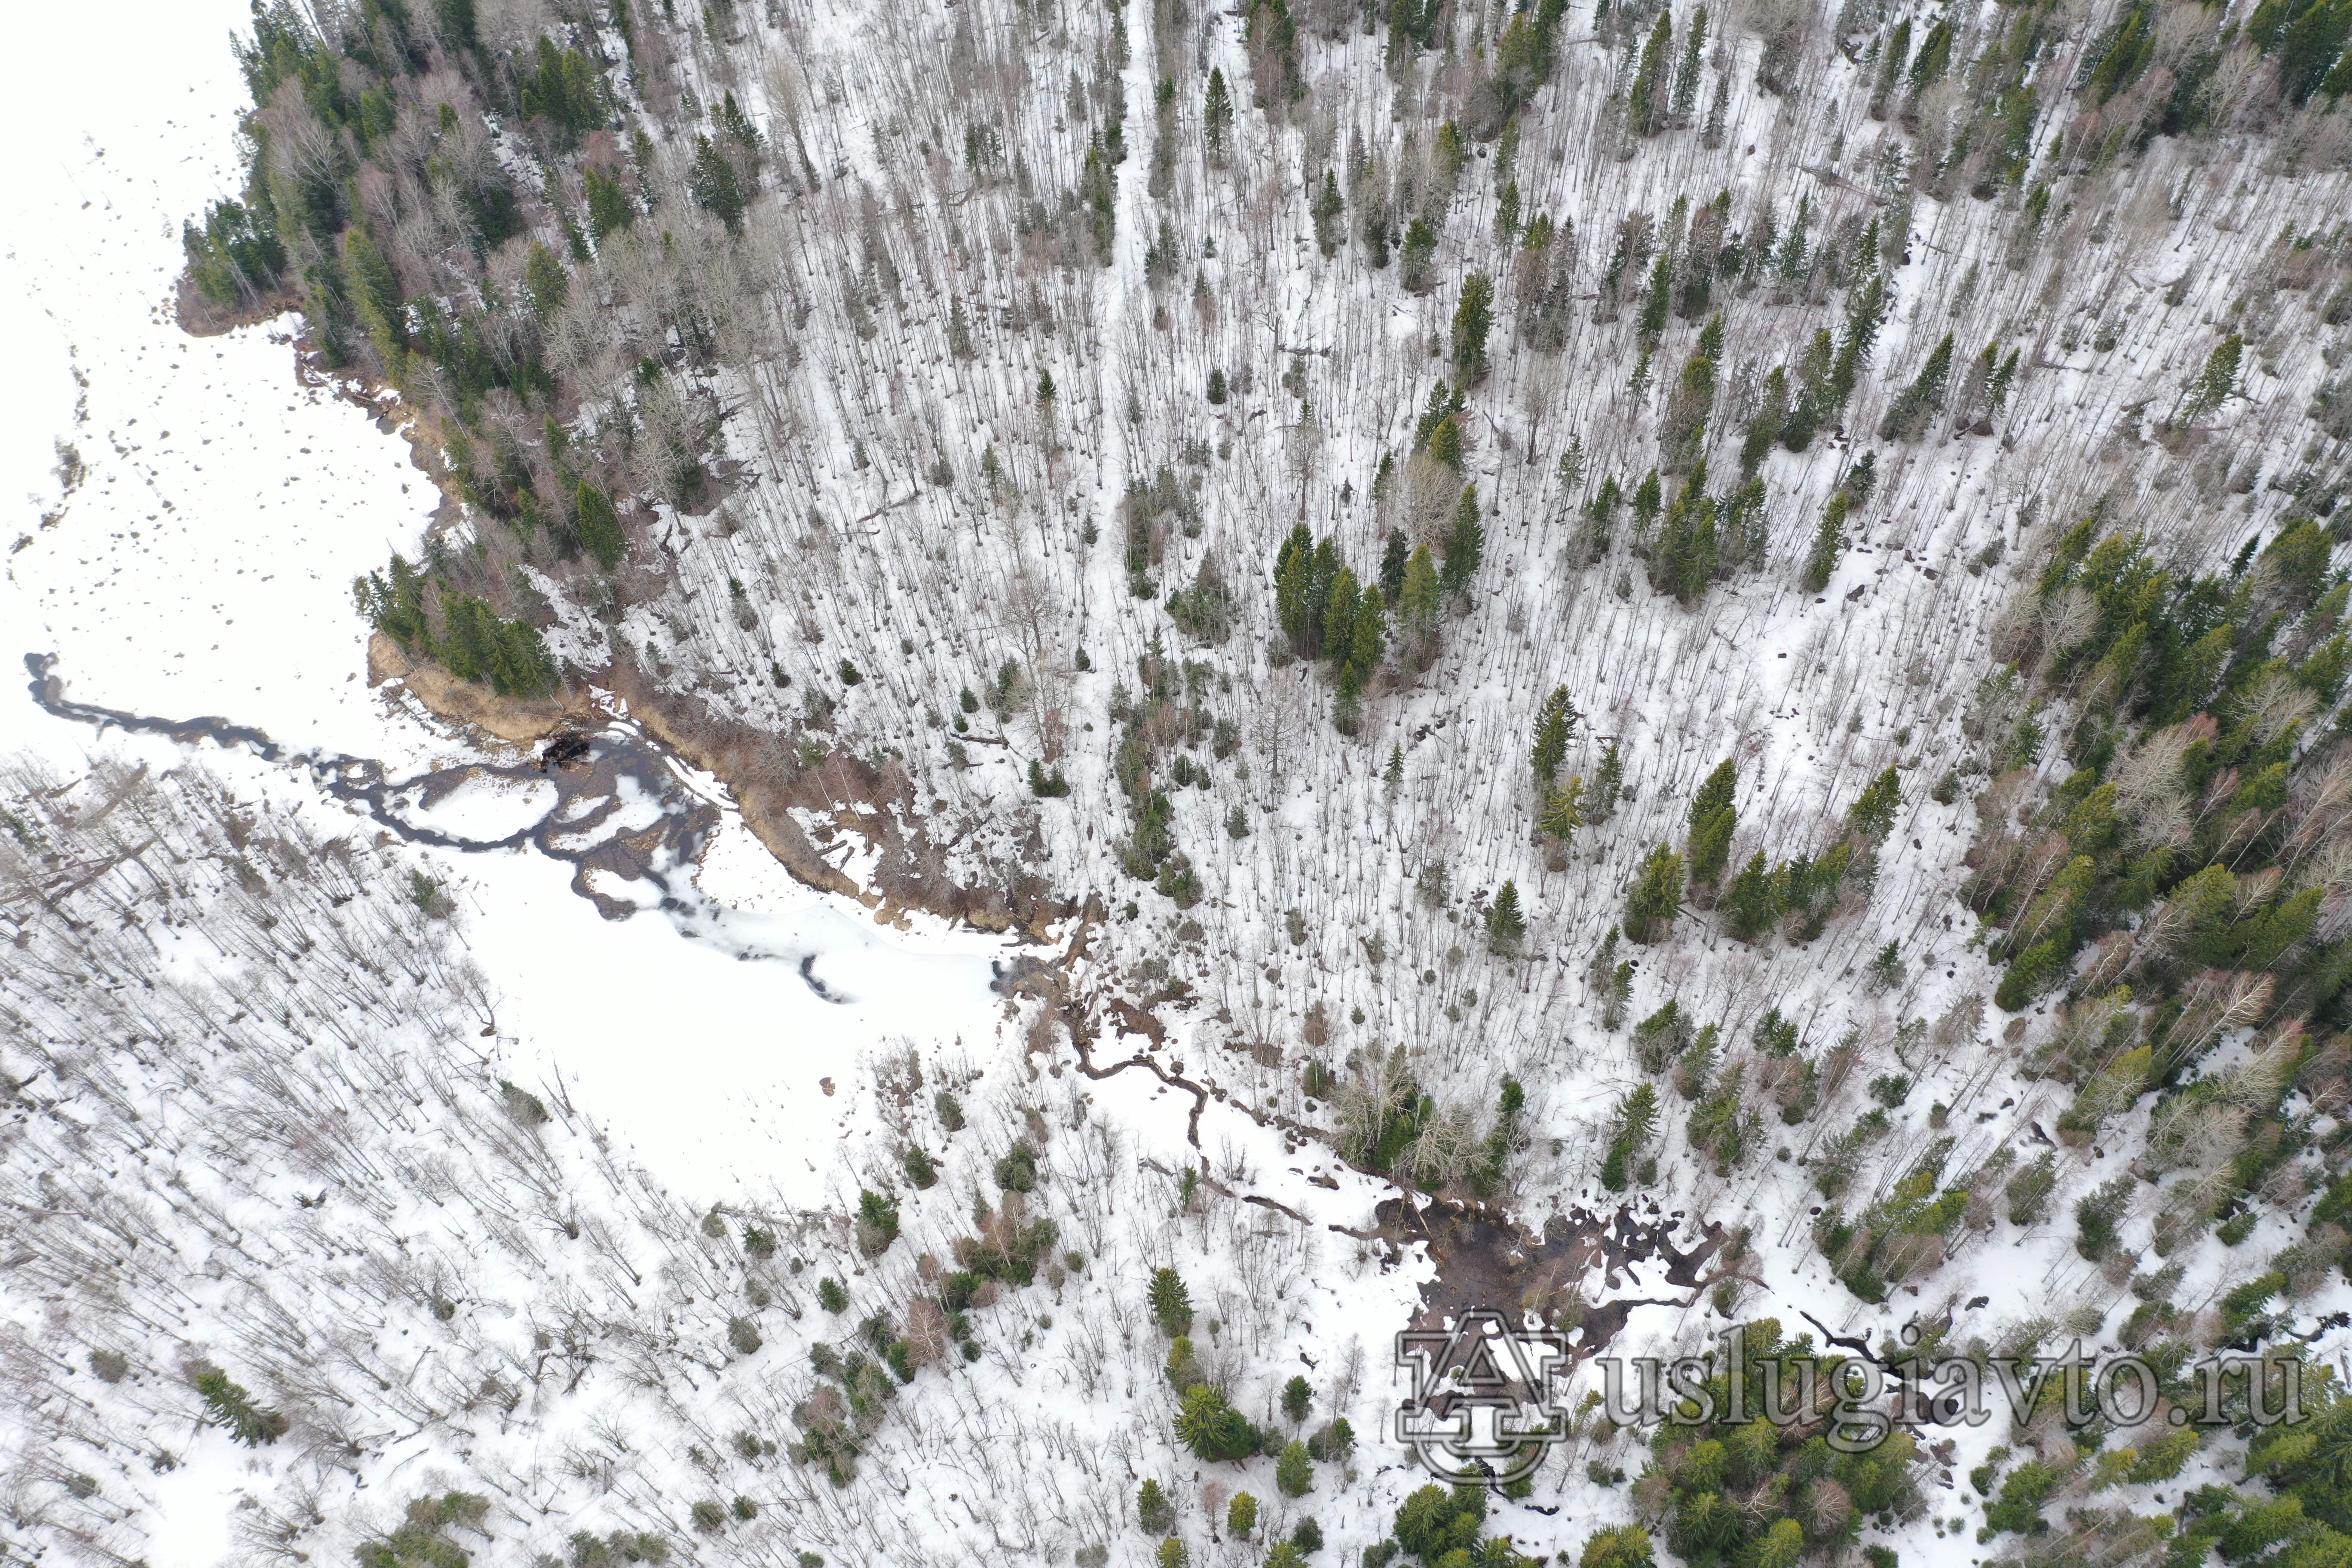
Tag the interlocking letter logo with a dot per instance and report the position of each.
(1481, 1396)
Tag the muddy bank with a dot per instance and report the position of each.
(839, 796)
(516, 721)
(1485, 1259)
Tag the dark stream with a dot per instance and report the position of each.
(598, 776)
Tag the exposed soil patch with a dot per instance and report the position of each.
(848, 795)
(1487, 1259)
(200, 318)
(514, 720)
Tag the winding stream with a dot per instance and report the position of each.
(619, 816)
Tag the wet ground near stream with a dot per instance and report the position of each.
(615, 810)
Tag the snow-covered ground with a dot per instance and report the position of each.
(201, 564)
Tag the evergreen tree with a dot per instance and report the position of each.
(1347, 706)
(1656, 896)
(1153, 1512)
(1570, 470)
(736, 127)
(1444, 400)
(230, 1407)
(1636, 1123)
(1098, 189)
(1690, 545)
(1764, 427)
(1563, 810)
(1326, 212)
(2307, 36)
(1866, 313)
(237, 257)
(1209, 1425)
(1170, 1303)
(1420, 249)
(374, 294)
(506, 655)
(1909, 416)
(1322, 567)
(1648, 497)
(2215, 384)
(1338, 629)
(1600, 520)
(1294, 1473)
(1873, 813)
(1446, 442)
(1713, 819)
(1293, 577)
(1392, 777)
(877, 1223)
(1506, 214)
(1216, 115)
(712, 182)
(1505, 924)
(598, 525)
(1554, 722)
(1473, 318)
(1464, 544)
(1750, 904)
(1626, 1546)
(1658, 300)
(1687, 76)
(1392, 564)
(545, 281)
(566, 92)
(1829, 545)
(1814, 398)
(1934, 57)
(1608, 784)
(1368, 639)
(1421, 600)
(1646, 101)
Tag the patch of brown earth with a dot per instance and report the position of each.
(1488, 1261)
(200, 318)
(844, 794)
(516, 721)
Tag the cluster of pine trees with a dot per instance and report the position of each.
(470, 638)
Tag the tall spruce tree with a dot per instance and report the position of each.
(1608, 784)
(1465, 544)
(1713, 820)
(1505, 925)
(1393, 563)
(1555, 720)
(1655, 898)
(714, 187)
(1421, 597)
(1473, 318)
(1829, 545)
(1216, 115)
(1749, 905)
